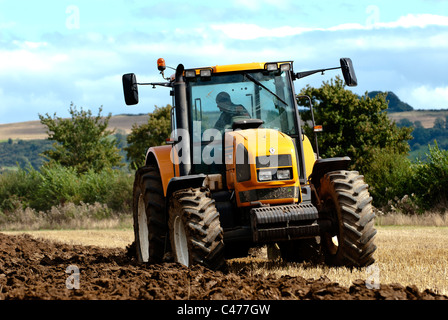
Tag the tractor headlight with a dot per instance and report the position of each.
(283, 174)
(265, 175)
(271, 66)
(190, 73)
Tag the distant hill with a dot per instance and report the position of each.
(32, 130)
(425, 118)
(395, 104)
(22, 143)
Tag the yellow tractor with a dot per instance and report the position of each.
(238, 172)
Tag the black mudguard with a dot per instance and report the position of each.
(183, 182)
(322, 166)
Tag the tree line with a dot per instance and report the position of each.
(422, 137)
(22, 153)
(379, 149)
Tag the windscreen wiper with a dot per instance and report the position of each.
(264, 87)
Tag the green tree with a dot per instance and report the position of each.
(439, 123)
(153, 133)
(353, 126)
(405, 123)
(82, 142)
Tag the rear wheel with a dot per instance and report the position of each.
(148, 212)
(346, 202)
(195, 230)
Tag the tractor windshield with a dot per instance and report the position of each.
(217, 102)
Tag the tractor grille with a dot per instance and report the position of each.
(269, 193)
(280, 160)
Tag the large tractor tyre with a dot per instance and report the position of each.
(346, 201)
(150, 225)
(195, 230)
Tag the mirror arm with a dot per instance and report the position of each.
(304, 74)
(154, 84)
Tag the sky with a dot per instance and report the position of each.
(56, 52)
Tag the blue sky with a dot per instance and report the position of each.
(53, 53)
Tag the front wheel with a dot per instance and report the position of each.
(195, 230)
(346, 202)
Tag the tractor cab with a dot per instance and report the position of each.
(225, 99)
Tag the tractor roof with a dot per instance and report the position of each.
(241, 67)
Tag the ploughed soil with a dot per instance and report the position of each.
(41, 269)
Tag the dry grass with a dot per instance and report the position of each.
(409, 255)
(428, 219)
(110, 238)
(412, 250)
(68, 217)
(426, 117)
(23, 130)
(406, 255)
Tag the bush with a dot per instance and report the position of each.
(56, 185)
(16, 188)
(431, 180)
(400, 185)
(389, 176)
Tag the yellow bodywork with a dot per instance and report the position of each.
(238, 67)
(309, 155)
(163, 157)
(260, 143)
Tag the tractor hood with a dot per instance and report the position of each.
(265, 142)
(261, 165)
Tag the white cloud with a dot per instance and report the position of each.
(249, 4)
(254, 5)
(345, 26)
(22, 61)
(415, 20)
(247, 31)
(425, 97)
(28, 45)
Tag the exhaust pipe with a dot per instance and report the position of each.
(180, 100)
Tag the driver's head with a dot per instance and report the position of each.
(223, 100)
(225, 104)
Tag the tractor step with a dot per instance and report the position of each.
(282, 223)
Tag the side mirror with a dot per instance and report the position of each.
(130, 89)
(348, 72)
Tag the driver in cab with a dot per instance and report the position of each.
(229, 111)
